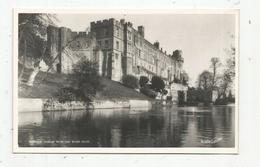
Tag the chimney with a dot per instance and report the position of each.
(141, 30)
(157, 44)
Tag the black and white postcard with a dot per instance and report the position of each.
(125, 81)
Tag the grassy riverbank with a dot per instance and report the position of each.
(46, 86)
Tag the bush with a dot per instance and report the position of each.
(169, 98)
(66, 95)
(158, 84)
(221, 101)
(130, 81)
(196, 96)
(69, 94)
(164, 92)
(148, 92)
(143, 81)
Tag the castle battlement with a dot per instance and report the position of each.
(64, 31)
(102, 22)
(106, 22)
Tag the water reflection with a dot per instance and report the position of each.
(167, 127)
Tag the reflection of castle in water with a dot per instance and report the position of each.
(168, 128)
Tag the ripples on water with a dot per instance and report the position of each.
(164, 127)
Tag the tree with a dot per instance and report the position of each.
(231, 63)
(225, 84)
(32, 38)
(177, 54)
(157, 84)
(130, 81)
(204, 87)
(215, 65)
(231, 60)
(86, 78)
(185, 78)
(229, 73)
(143, 81)
(205, 80)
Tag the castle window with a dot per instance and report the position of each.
(129, 46)
(153, 60)
(117, 31)
(106, 43)
(99, 44)
(117, 45)
(97, 33)
(136, 40)
(105, 32)
(116, 56)
(138, 69)
(129, 35)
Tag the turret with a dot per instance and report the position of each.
(141, 30)
(157, 45)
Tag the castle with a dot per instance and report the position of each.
(117, 47)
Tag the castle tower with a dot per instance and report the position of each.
(128, 49)
(66, 48)
(53, 48)
(109, 36)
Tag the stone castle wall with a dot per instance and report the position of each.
(117, 46)
(132, 54)
(67, 48)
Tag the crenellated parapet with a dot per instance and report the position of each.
(104, 22)
(108, 22)
(61, 36)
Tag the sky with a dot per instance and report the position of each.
(199, 36)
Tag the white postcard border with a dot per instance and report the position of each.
(113, 150)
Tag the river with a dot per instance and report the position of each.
(159, 127)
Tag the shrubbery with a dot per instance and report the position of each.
(130, 81)
(196, 96)
(65, 95)
(143, 81)
(157, 84)
(221, 101)
(69, 94)
(148, 92)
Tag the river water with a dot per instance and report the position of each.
(158, 127)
